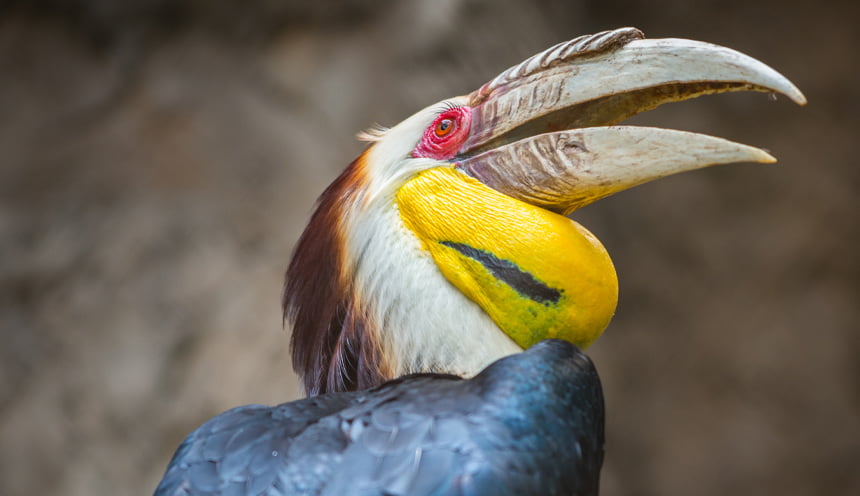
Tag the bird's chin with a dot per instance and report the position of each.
(543, 136)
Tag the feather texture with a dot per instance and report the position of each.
(365, 299)
(530, 424)
(334, 346)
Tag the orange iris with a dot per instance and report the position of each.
(444, 127)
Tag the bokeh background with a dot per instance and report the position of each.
(159, 158)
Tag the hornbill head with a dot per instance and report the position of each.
(445, 245)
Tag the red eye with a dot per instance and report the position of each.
(444, 127)
(445, 135)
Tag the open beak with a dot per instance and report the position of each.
(544, 130)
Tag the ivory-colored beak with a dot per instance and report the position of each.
(543, 131)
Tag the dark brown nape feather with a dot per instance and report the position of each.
(333, 345)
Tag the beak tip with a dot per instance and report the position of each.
(782, 85)
(797, 96)
(764, 157)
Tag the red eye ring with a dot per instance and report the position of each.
(445, 135)
(444, 127)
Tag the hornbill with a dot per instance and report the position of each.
(443, 251)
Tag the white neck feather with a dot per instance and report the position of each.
(427, 324)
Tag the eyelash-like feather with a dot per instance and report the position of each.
(446, 106)
(372, 134)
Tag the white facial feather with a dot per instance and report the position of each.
(427, 323)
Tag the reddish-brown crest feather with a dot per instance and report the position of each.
(334, 348)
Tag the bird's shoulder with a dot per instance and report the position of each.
(418, 435)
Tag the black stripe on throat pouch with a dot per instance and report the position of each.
(521, 281)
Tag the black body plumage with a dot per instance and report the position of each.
(529, 424)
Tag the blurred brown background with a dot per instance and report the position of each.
(158, 159)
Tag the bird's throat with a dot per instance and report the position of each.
(537, 274)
